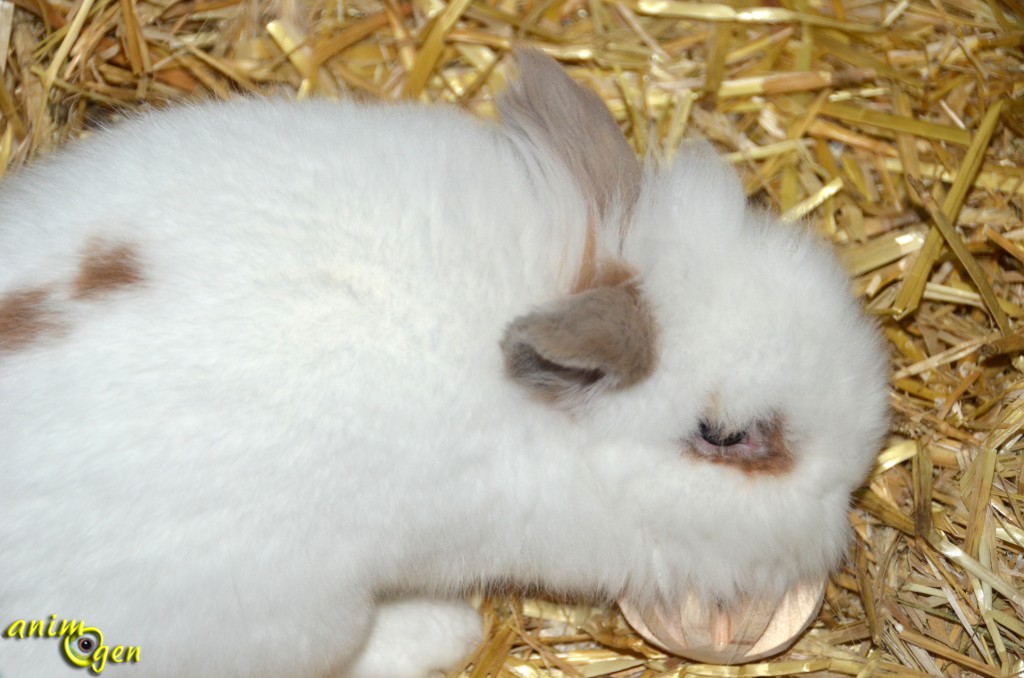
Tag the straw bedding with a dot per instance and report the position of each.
(895, 128)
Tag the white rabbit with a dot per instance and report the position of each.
(268, 369)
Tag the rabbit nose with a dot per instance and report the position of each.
(742, 632)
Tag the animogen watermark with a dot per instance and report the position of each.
(83, 646)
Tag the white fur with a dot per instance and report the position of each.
(302, 406)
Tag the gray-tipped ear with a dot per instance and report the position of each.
(549, 109)
(603, 337)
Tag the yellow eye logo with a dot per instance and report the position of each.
(80, 649)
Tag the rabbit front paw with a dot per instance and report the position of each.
(418, 637)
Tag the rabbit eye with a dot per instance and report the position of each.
(719, 438)
(758, 448)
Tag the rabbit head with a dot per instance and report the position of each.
(726, 348)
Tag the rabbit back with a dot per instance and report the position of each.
(213, 321)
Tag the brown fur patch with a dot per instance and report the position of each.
(615, 273)
(773, 456)
(24, 319)
(105, 268)
(607, 273)
(588, 264)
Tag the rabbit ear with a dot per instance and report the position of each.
(603, 337)
(546, 108)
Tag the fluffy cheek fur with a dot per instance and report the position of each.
(715, 530)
